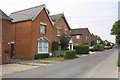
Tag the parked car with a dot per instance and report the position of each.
(106, 47)
(92, 48)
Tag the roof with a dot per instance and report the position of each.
(93, 35)
(78, 31)
(28, 14)
(4, 16)
(55, 18)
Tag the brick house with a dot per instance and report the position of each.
(32, 32)
(5, 47)
(61, 27)
(80, 35)
(93, 38)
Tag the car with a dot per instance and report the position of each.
(92, 48)
(106, 47)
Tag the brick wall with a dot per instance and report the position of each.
(6, 48)
(61, 24)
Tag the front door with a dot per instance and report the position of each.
(12, 50)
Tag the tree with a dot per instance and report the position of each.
(64, 42)
(93, 43)
(55, 46)
(116, 31)
(116, 28)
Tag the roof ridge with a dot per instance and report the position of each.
(79, 28)
(28, 9)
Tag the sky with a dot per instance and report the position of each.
(96, 15)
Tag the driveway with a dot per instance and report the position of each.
(99, 65)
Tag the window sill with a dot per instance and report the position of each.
(43, 53)
(58, 35)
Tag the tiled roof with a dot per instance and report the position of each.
(78, 31)
(56, 17)
(4, 16)
(27, 14)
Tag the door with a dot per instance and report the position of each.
(12, 50)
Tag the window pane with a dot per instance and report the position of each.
(43, 29)
(58, 31)
(45, 47)
(40, 47)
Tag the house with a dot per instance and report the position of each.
(5, 47)
(81, 35)
(93, 38)
(32, 32)
(61, 27)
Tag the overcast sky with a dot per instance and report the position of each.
(97, 15)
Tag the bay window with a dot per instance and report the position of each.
(43, 45)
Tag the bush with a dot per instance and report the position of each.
(82, 49)
(57, 56)
(70, 54)
(55, 46)
(41, 56)
(99, 47)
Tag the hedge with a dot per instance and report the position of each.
(70, 54)
(41, 56)
(100, 47)
(82, 49)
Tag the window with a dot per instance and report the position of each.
(42, 29)
(77, 36)
(65, 31)
(58, 31)
(43, 45)
(86, 37)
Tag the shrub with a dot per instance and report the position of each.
(55, 46)
(41, 56)
(57, 56)
(82, 49)
(99, 47)
(64, 42)
(70, 54)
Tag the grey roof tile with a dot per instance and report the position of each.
(27, 14)
(56, 17)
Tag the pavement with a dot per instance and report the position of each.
(99, 65)
(18, 65)
(13, 68)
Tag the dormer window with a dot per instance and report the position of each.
(42, 28)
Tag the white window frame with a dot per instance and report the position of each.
(58, 33)
(77, 36)
(43, 40)
(43, 52)
(43, 25)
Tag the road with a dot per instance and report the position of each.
(99, 65)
